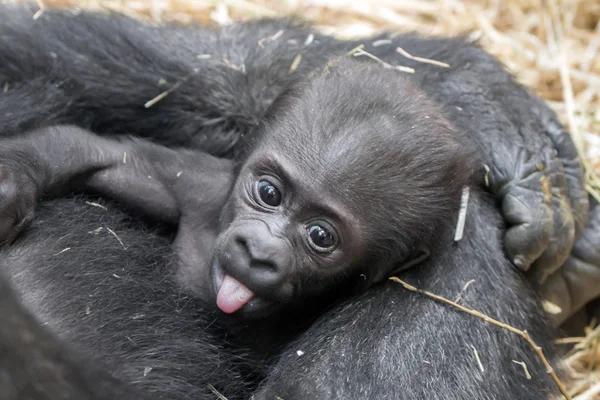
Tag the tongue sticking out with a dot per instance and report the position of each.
(233, 295)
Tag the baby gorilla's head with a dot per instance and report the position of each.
(357, 171)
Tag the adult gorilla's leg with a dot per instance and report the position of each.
(99, 280)
(397, 344)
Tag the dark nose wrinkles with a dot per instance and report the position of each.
(257, 261)
(268, 226)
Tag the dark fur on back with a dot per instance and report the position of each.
(112, 301)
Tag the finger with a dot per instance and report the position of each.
(531, 224)
(567, 153)
(577, 195)
(561, 140)
(563, 229)
(504, 171)
(578, 281)
(559, 246)
(573, 286)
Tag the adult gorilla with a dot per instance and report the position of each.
(96, 278)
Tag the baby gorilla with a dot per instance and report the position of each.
(350, 179)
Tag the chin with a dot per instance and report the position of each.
(256, 309)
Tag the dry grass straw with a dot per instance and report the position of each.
(552, 46)
(583, 365)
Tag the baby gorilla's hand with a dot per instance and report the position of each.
(18, 194)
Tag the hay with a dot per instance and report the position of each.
(583, 366)
(552, 46)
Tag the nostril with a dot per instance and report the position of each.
(263, 264)
(255, 262)
(243, 244)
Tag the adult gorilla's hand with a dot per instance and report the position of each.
(533, 168)
(543, 196)
(577, 282)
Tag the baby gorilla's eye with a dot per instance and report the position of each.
(268, 193)
(321, 237)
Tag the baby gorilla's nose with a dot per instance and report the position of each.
(257, 258)
(254, 264)
(260, 263)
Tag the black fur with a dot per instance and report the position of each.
(107, 295)
(124, 313)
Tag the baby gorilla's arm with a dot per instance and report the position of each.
(156, 180)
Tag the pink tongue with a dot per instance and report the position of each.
(233, 295)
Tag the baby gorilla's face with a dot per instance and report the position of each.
(342, 188)
(288, 237)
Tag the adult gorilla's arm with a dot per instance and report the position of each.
(379, 345)
(179, 85)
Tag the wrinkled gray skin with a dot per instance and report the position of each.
(577, 282)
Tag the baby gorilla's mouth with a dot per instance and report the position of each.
(232, 295)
